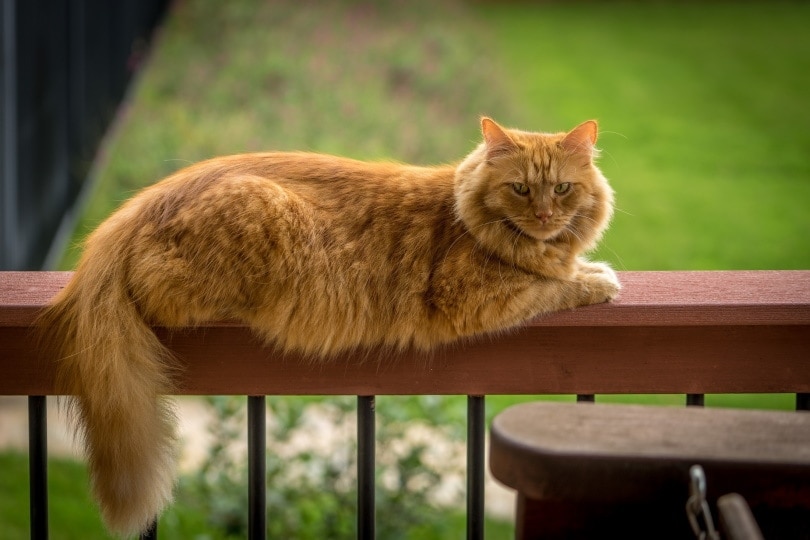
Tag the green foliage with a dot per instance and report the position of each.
(311, 471)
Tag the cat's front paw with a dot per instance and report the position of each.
(599, 282)
(588, 267)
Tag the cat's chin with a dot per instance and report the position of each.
(545, 236)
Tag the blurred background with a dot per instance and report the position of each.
(703, 110)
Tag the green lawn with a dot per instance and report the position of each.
(704, 114)
(703, 111)
(71, 513)
(73, 516)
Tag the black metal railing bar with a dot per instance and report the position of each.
(695, 400)
(366, 453)
(257, 468)
(38, 466)
(476, 431)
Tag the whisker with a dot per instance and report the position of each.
(623, 211)
(618, 257)
(606, 132)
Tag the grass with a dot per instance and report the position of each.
(702, 109)
(72, 515)
(704, 115)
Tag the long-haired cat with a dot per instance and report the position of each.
(317, 254)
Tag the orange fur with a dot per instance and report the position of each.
(317, 254)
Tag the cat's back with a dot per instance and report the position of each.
(318, 180)
(313, 170)
(306, 204)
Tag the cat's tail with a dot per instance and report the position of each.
(116, 371)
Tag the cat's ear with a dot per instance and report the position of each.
(581, 139)
(498, 142)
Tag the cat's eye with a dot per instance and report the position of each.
(520, 188)
(562, 188)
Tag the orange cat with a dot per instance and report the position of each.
(317, 254)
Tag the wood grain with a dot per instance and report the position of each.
(669, 332)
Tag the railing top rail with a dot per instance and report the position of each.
(690, 298)
(678, 332)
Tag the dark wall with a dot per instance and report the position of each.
(65, 68)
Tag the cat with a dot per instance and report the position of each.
(316, 254)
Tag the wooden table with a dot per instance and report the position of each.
(597, 471)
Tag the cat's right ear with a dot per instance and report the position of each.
(498, 142)
(581, 139)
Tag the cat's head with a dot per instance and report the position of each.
(536, 187)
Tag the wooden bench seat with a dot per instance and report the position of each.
(595, 471)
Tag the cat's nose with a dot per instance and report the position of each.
(543, 215)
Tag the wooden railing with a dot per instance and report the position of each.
(669, 332)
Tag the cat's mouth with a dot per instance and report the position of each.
(537, 232)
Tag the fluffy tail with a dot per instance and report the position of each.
(116, 372)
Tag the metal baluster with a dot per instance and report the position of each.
(257, 473)
(366, 441)
(476, 430)
(38, 466)
(695, 400)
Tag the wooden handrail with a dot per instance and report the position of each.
(669, 332)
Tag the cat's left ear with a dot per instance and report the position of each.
(581, 139)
